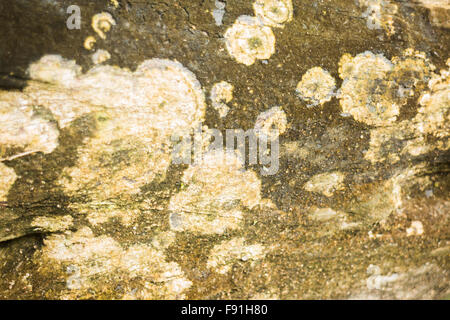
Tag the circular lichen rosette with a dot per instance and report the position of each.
(274, 13)
(248, 40)
(316, 87)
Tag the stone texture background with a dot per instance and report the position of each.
(306, 257)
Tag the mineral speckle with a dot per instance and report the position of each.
(416, 229)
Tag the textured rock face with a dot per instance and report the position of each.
(355, 93)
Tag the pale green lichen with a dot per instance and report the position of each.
(432, 119)
(54, 69)
(135, 115)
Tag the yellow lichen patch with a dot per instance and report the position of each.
(103, 212)
(316, 87)
(225, 254)
(135, 115)
(92, 265)
(325, 183)
(25, 125)
(271, 124)
(52, 224)
(8, 177)
(54, 69)
(411, 73)
(221, 94)
(247, 40)
(434, 115)
(375, 88)
(116, 163)
(101, 23)
(274, 13)
(363, 92)
(100, 56)
(89, 43)
(215, 194)
(379, 14)
(114, 3)
(432, 119)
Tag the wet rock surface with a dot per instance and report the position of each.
(92, 205)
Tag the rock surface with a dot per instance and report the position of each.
(92, 205)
